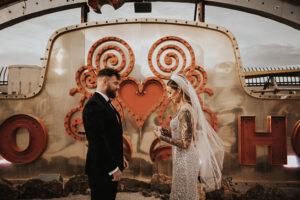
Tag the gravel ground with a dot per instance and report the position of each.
(120, 196)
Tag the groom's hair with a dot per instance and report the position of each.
(108, 72)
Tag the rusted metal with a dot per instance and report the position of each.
(37, 143)
(275, 138)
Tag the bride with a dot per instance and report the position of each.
(196, 148)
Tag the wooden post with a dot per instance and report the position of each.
(84, 13)
(201, 11)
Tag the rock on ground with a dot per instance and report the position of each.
(7, 188)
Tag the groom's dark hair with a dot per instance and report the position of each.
(108, 72)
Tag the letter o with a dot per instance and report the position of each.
(296, 138)
(37, 142)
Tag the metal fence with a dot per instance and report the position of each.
(3, 75)
(290, 80)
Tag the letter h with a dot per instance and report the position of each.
(275, 138)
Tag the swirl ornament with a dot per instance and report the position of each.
(111, 52)
(85, 79)
(198, 77)
(174, 56)
(74, 126)
(165, 123)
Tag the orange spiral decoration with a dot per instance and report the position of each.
(172, 54)
(197, 76)
(110, 52)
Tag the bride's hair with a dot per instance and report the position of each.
(172, 84)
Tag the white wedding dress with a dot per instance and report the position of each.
(203, 156)
(185, 167)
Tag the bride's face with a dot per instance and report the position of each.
(173, 94)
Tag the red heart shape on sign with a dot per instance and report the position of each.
(140, 100)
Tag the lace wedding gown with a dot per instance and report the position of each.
(185, 162)
(190, 127)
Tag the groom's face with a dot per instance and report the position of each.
(112, 86)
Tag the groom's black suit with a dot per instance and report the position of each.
(105, 146)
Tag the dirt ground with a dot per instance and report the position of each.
(120, 196)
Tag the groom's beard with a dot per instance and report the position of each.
(110, 93)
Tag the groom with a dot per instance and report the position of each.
(103, 128)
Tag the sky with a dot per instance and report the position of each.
(262, 42)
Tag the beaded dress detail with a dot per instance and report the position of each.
(185, 165)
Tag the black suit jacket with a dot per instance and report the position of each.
(104, 135)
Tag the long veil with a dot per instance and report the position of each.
(209, 146)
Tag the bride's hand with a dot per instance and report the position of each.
(157, 131)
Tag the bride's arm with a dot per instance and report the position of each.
(165, 132)
(185, 122)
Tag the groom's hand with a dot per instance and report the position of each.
(117, 175)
